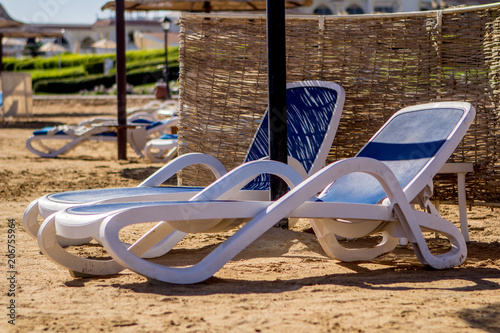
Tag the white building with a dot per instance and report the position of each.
(339, 7)
(79, 38)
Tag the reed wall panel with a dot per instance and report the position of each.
(384, 62)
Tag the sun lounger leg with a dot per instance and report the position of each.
(332, 247)
(49, 246)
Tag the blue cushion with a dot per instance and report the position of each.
(309, 112)
(155, 124)
(46, 130)
(142, 121)
(152, 124)
(110, 134)
(405, 145)
(168, 136)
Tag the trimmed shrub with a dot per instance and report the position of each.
(143, 67)
(72, 60)
(73, 85)
(144, 76)
(133, 65)
(95, 67)
(52, 74)
(9, 63)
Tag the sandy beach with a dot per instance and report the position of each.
(283, 282)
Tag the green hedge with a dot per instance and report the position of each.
(74, 85)
(66, 60)
(141, 76)
(55, 74)
(85, 71)
(95, 67)
(132, 65)
(144, 76)
(73, 60)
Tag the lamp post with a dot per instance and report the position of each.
(166, 24)
(59, 53)
(439, 4)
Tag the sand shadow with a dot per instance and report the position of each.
(402, 272)
(12, 112)
(70, 158)
(380, 279)
(138, 173)
(486, 318)
(75, 115)
(143, 173)
(483, 251)
(395, 276)
(32, 124)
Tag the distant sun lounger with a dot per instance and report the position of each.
(59, 140)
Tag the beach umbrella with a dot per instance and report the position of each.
(121, 80)
(52, 47)
(30, 31)
(104, 44)
(6, 21)
(13, 42)
(203, 6)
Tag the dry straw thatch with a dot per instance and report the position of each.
(384, 62)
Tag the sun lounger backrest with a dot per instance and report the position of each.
(311, 108)
(414, 143)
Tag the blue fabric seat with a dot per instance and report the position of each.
(406, 145)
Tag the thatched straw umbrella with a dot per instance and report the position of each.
(6, 21)
(202, 6)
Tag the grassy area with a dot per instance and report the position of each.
(75, 73)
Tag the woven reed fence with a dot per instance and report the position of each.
(384, 62)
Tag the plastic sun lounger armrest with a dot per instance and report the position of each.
(182, 162)
(294, 163)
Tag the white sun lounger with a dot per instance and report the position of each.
(367, 194)
(67, 137)
(314, 110)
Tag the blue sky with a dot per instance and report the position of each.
(55, 11)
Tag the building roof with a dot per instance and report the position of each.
(469, 2)
(6, 21)
(111, 22)
(202, 6)
(30, 31)
(101, 23)
(66, 26)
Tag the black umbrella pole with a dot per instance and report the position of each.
(276, 62)
(1, 53)
(121, 80)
